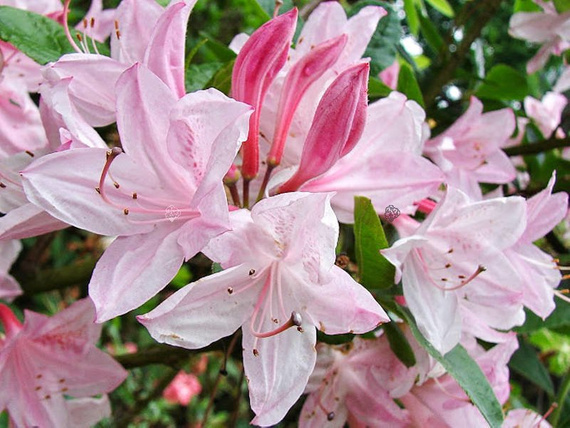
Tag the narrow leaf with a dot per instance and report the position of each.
(37, 36)
(525, 362)
(199, 75)
(503, 83)
(465, 371)
(374, 270)
(412, 16)
(377, 88)
(408, 85)
(384, 43)
(399, 344)
(443, 7)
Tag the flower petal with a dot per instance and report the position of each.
(133, 269)
(205, 311)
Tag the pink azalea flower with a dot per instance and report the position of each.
(390, 75)
(357, 382)
(455, 262)
(291, 92)
(548, 28)
(386, 164)
(65, 129)
(469, 152)
(9, 287)
(546, 113)
(182, 389)
(164, 198)
(440, 402)
(279, 284)
(145, 33)
(46, 359)
(539, 271)
(524, 418)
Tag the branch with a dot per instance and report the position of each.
(539, 147)
(486, 10)
(168, 355)
(78, 273)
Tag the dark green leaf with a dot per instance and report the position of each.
(503, 83)
(222, 79)
(377, 88)
(431, 34)
(40, 38)
(562, 5)
(199, 75)
(465, 371)
(374, 270)
(383, 45)
(399, 344)
(526, 6)
(216, 50)
(526, 363)
(443, 7)
(559, 318)
(412, 16)
(408, 85)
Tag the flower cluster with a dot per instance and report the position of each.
(257, 179)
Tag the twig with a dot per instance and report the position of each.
(78, 273)
(539, 147)
(486, 10)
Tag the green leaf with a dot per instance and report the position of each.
(183, 277)
(408, 85)
(526, 6)
(399, 344)
(525, 362)
(503, 83)
(431, 34)
(199, 75)
(384, 43)
(559, 318)
(377, 88)
(216, 50)
(37, 36)
(374, 270)
(443, 7)
(412, 16)
(222, 79)
(562, 6)
(465, 371)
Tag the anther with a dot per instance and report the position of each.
(117, 185)
(223, 372)
(78, 35)
(135, 196)
(255, 352)
(126, 211)
(330, 416)
(230, 290)
(92, 23)
(47, 397)
(296, 318)
(98, 190)
(447, 265)
(85, 23)
(2, 185)
(29, 153)
(251, 271)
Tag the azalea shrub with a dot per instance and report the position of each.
(308, 213)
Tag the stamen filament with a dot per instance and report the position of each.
(66, 26)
